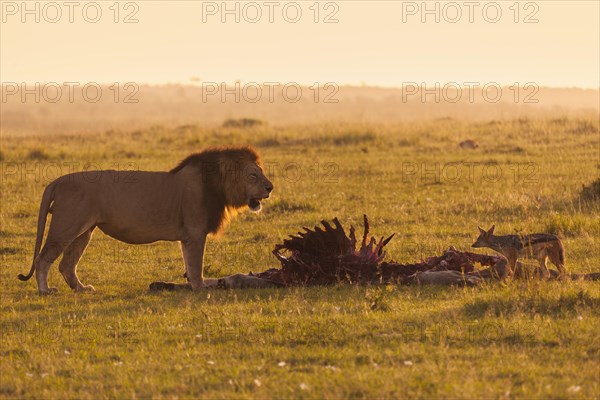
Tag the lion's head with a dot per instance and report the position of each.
(232, 179)
(257, 186)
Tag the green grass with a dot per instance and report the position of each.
(525, 339)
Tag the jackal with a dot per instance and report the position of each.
(540, 246)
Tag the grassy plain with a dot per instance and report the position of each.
(524, 340)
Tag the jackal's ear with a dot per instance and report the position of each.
(481, 230)
(491, 231)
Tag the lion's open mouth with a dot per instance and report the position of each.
(254, 205)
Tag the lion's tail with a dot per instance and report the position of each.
(47, 199)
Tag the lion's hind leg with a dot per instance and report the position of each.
(50, 252)
(71, 256)
(62, 232)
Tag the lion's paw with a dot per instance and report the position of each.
(50, 290)
(86, 288)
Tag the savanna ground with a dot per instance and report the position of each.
(524, 339)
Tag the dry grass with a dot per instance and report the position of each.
(527, 339)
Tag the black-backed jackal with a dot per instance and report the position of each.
(540, 246)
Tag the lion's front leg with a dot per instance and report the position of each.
(193, 256)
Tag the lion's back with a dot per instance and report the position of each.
(112, 194)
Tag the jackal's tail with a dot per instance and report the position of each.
(47, 199)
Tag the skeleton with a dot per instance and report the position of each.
(326, 256)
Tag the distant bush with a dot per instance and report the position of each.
(38, 154)
(242, 123)
(591, 192)
(269, 142)
(8, 250)
(351, 138)
(186, 128)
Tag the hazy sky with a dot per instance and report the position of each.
(381, 43)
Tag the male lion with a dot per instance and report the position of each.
(185, 204)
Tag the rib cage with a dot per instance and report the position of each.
(328, 255)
